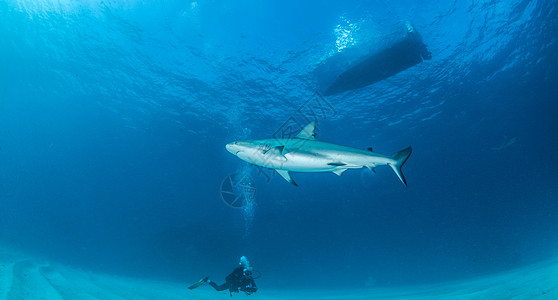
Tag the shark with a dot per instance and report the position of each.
(304, 153)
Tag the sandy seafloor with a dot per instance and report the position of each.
(26, 277)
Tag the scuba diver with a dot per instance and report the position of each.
(239, 279)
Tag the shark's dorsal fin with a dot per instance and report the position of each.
(308, 132)
(285, 174)
(370, 149)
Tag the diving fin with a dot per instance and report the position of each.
(198, 283)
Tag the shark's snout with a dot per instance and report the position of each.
(233, 148)
(230, 147)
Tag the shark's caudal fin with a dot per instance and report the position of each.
(400, 158)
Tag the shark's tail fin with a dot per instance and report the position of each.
(399, 159)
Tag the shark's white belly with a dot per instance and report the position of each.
(307, 163)
(316, 162)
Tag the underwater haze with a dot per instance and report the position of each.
(114, 116)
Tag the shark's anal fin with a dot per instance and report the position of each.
(285, 174)
(339, 172)
(308, 132)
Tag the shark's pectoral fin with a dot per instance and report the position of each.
(339, 172)
(277, 152)
(285, 174)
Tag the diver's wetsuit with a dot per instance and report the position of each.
(235, 281)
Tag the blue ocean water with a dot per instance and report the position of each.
(114, 117)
